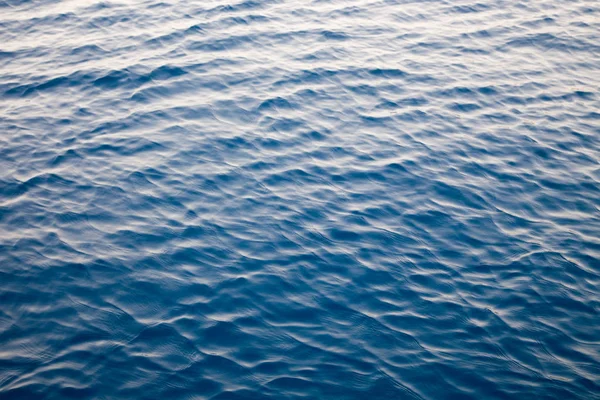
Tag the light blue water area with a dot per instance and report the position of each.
(300, 199)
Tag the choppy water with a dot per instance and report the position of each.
(300, 199)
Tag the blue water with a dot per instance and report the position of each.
(310, 199)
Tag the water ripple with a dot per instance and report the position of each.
(276, 199)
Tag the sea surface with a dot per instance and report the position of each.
(300, 199)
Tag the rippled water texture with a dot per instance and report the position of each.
(349, 199)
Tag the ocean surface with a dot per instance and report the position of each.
(309, 199)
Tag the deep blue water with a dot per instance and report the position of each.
(350, 199)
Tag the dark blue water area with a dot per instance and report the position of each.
(308, 199)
